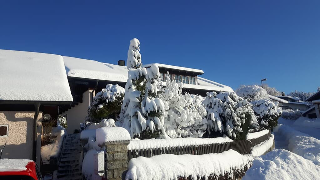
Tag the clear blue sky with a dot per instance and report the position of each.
(234, 42)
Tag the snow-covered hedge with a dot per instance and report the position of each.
(229, 164)
(291, 114)
(106, 103)
(229, 114)
(184, 114)
(266, 111)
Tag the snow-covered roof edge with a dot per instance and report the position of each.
(277, 99)
(176, 68)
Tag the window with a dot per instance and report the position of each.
(180, 78)
(187, 80)
(193, 80)
(161, 76)
(3, 130)
(183, 79)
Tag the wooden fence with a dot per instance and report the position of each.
(241, 146)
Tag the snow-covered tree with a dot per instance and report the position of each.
(184, 115)
(229, 114)
(270, 90)
(303, 96)
(266, 111)
(142, 111)
(106, 103)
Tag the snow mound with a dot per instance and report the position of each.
(89, 165)
(284, 165)
(53, 150)
(14, 164)
(263, 147)
(109, 134)
(169, 166)
(300, 143)
(181, 142)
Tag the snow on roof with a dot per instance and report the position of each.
(315, 96)
(30, 76)
(176, 68)
(89, 69)
(278, 99)
(14, 164)
(208, 85)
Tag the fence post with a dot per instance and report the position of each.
(116, 161)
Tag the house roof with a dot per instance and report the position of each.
(209, 85)
(315, 96)
(278, 99)
(90, 69)
(198, 71)
(33, 77)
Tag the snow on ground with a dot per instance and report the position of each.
(283, 165)
(165, 143)
(89, 69)
(301, 143)
(52, 150)
(89, 165)
(263, 147)
(169, 166)
(256, 135)
(30, 76)
(14, 164)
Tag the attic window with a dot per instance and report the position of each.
(3, 130)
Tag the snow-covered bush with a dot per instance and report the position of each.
(142, 111)
(303, 96)
(252, 93)
(271, 91)
(184, 114)
(106, 103)
(229, 114)
(291, 114)
(266, 111)
(62, 121)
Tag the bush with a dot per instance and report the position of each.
(106, 104)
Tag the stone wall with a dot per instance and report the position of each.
(116, 159)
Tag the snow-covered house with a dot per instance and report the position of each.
(86, 77)
(31, 84)
(314, 110)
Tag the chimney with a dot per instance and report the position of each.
(121, 63)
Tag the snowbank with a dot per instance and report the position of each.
(300, 143)
(14, 164)
(52, 150)
(86, 134)
(109, 134)
(30, 76)
(256, 135)
(306, 122)
(90, 164)
(263, 147)
(283, 165)
(165, 143)
(168, 166)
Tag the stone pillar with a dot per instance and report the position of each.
(116, 159)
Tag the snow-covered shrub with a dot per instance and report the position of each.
(62, 121)
(252, 93)
(106, 103)
(291, 114)
(303, 96)
(142, 111)
(266, 111)
(271, 91)
(229, 114)
(184, 114)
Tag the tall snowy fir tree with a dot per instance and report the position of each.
(142, 111)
